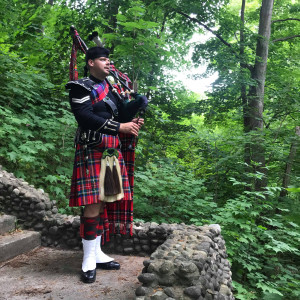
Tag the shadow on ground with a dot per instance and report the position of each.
(52, 274)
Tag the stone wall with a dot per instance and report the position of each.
(186, 262)
(190, 264)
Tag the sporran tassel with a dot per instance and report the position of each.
(116, 178)
(109, 185)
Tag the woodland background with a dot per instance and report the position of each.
(228, 156)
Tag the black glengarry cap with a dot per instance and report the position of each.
(96, 52)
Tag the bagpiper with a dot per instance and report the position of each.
(101, 181)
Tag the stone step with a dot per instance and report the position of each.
(7, 224)
(18, 243)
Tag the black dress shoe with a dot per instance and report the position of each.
(88, 276)
(112, 265)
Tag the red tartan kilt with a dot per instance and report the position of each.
(85, 186)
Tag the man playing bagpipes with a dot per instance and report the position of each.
(102, 181)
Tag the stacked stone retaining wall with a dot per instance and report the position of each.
(186, 262)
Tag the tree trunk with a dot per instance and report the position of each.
(256, 94)
(243, 67)
(243, 70)
(289, 163)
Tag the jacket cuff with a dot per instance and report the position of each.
(110, 127)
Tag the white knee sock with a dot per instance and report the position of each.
(89, 257)
(101, 257)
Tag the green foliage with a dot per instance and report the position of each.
(261, 243)
(36, 133)
(167, 192)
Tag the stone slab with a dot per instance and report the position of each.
(18, 243)
(7, 224)
(50, 273)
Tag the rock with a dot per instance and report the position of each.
(152, 234)
(137, 248)
(72, 242)
(38, 226)
(147, 262)
(162, 229)
(141, 291)
(23, 215)
(49, 241)
(153, 226)
(146, 248)
(119, 249)
(169, 292)
(54, 210)
(154, 241)
(33, 198)
(48, 205)
(220, 297)
(127, 243)
(166, 279)
(128, 250)
(204, 246)
(224, 290)
(199, 265)
(147, 278)
(174, 253)
(76, 223)
(40, 206)
(208, 296)
(215, 228)
(158, 254)
(49, 214)
(53, 230)
(144, 242)
(187, 267)
(39, 214)
(166, 267)
(142, 235)
(16, 191)
(193, 291)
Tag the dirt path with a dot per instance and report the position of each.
(52, 274)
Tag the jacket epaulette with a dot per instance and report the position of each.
(86, 83)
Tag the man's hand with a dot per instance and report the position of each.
(130, 127)
(139, 121)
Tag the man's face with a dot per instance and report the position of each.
(99, 67)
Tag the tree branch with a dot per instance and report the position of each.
(286, 38)
(206, 27)
(216, 35)
(277, 115)
(282, 20)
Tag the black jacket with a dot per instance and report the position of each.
(99, 116)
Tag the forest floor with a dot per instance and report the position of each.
(51, 274)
